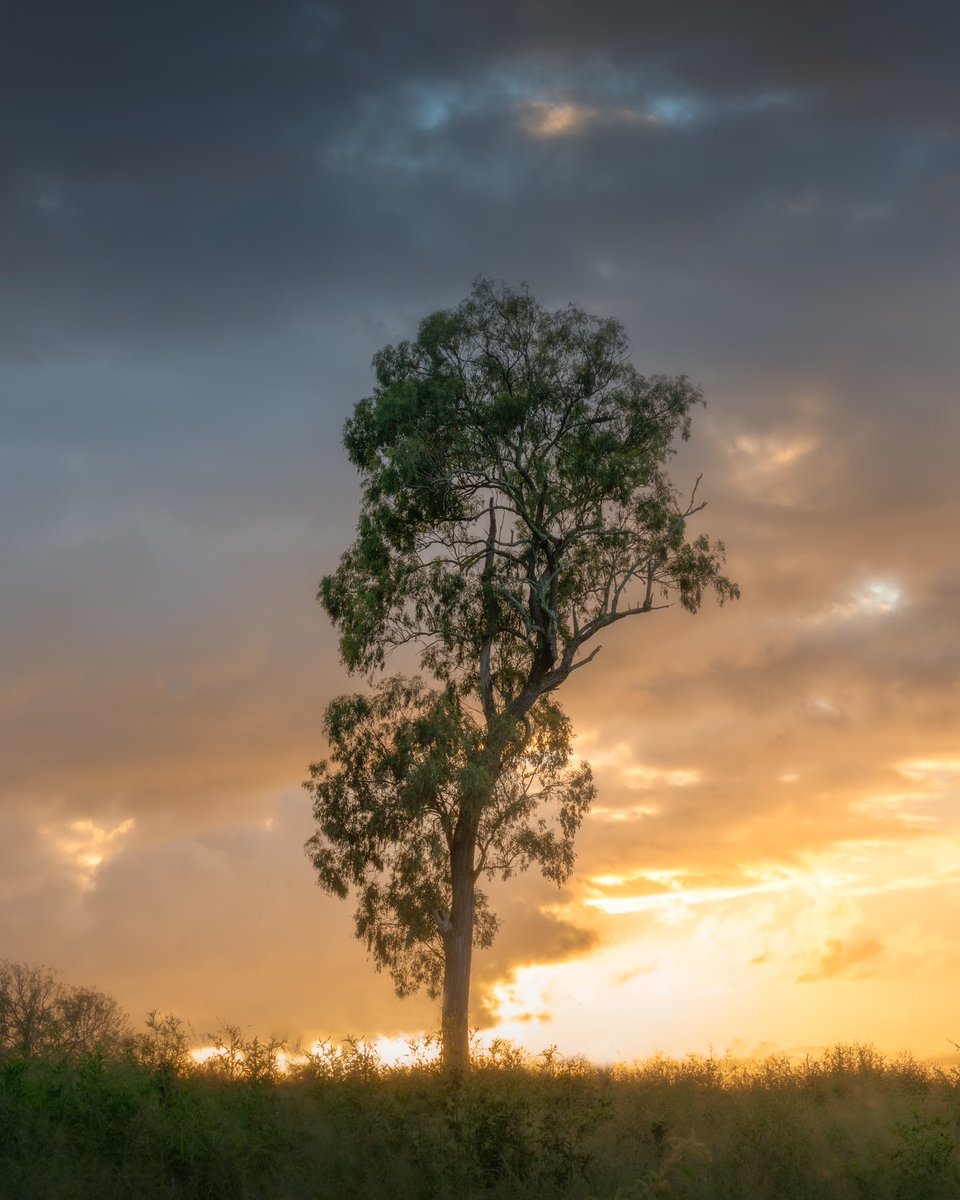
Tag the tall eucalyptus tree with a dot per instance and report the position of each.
(515, 505)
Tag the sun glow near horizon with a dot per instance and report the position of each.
(773, 953)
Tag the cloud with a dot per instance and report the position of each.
(844, 958)
(525, 908)
(555, 119)
(669, 893)
(937, 772)
(770, 454)
(84, 845)
(619, 760)
(217, 204)
(877, 597)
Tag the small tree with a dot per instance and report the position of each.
(28, 998)
(515, 504)
(39, 1014)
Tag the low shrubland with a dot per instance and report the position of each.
(146, 1121)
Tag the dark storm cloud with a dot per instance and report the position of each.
(185, 169)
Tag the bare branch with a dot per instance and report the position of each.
(583, 661)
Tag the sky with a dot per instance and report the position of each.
(211, 217)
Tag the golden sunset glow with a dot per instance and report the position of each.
(554, 120)
(560, 119)
(84, 845)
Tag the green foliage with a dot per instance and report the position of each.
(408, 761)
(111, 1128)
(503, 414)
(850, 1125)
(237, 1057)
(165, 1045)
(926, 1160)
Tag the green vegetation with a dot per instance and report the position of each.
(148, 1123)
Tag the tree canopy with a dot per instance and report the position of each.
(515, 498)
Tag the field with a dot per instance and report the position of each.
(849, 1125)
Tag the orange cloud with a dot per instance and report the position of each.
(844, 958)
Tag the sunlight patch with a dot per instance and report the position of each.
(523, 999)
(646, 777)
(705, 969)
(658, 881)
(766, 466)
(677, 892)
(611, 880)
(877, 597)
(398, 1050)
(546, 119)
(637, 776)
(389, 1050)
(900, 806)
(773, 453)
(86, 845)
(606, 812)
(203, 1054)
(680, 898)
(939, 771)
(826, 710)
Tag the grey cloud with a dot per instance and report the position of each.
(182, 174)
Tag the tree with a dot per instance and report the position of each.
(515, 505)
(39, 1014)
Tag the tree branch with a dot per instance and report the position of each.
(490, 632)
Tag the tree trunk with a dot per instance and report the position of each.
(457, 956)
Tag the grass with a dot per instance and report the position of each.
(850, 1125)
